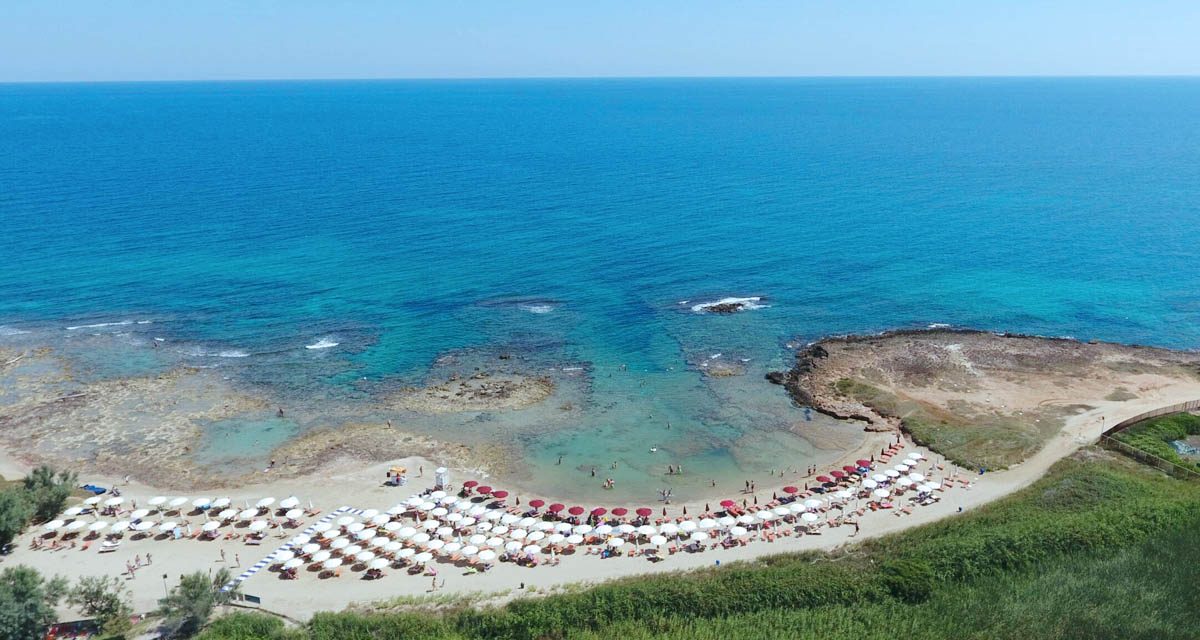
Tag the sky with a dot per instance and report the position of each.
(100, 40)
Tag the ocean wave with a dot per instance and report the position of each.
(323, 343)
(537, 308)
(748, 304)
(200, 352)
(99, 325)
(11, 331)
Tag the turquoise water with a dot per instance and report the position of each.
(567, 221)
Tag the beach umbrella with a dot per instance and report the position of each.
(879, 477)
(931, 486)
(487, 555)
(582, 529)
(259, 525)
(500, 530)
(518, 534)
(378, 563)
(738, 531)
(93, 500)
(797, 507)
(626, 529)
(355, 527)
(688, 526)
(227, 514)
(430, 525)
(290, 502)
(599, 511)
(728, 521)
(331, 563)
(421, 538)
(310, 548)
(746, 519)
(119, 526)
(574, 538)
(98, 525)
(392, 547)
(512, 546)
(483, 489)
(838, 474)
(352, 550)
(809, 517)
(500, 495)
(220, 503)
(844, 494)
(575, 511)
(823, 479)
(537, 503)
(434, 545)
(143, 525)
(615, 542)
(603, 530)
(535, 536)
(331, 534)
(556, 507)
(202, 503)
(850, 469)
(555, 538)
(669, 528)
(477, 539)
(451, 501)
(904, 482)
(283, 555)
(644, 512)
(247, 514)
(366, 534)
(423, 557)
(470, 550)
(345, 521)
(562, 527)
(699, 536)
(138, 514)
(466, 522)
(863, 463)
(494, 515)
(293, 514)
(339, 543)
(293, 563)
(378, 541)
(169, 525)
(781, 511)
(396, 510)
(915, 455)
(788, 489)
(76, 525)
(526, 522)
(456, 518)
(870, 484)
(451, 548)
(321, 556)
(646, 530)
(73, 511)
(392, 526)
(916, 477)
(156, 501)
(414, 501)
(812, 504)
(658, 541)
(364, 556)
(495, 541)
(368, 514)
(437, 495)
(544, 526)
(881, 493)
(406, 532)
(620, 511)
(211, 525)
(177, 502)
(508, 518)
(265, 502)
(765, 516)
(112, 502)
(406, 553)
(892, 473)
(438, 512)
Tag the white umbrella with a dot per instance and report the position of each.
(378, 542)
(332, 563)
(709, 523)
(381, 519)
(844, 494)
(321, 556)
(603, 530)
(448, 500)
(211, 525)
(615, 542)
(265, 502)
(870, 484)
(227, 514)
(293, 563)
(454, 517)
(322, 527)
(495, 542)
(544, 526)
(378, 563)
(437, 495)
(427, 506)
(366, 534)
(119, 526)
(687, 526)
(156, 500)
(290, 502)
(562, 527)
(201, 503)
(293, 514)
(470, 550)
(746, 519)
(797, 507)
(879, 477)
(220, 503)
(406, 553)
(310, 548)
(904, 482)
(331, 534)
(421, 538)
(438, 512)
(112, 502)
(339, 543)
(466, 522)
(738, 531)
(392, 547)
(355, 527)
(916, 477)
(352, 550)
(430, 525)
(555, 538)
(477, 539)
(444, 532)
(487, 555)
(583, 529)
(98, 525)
(532, 549)
(699, 536)
(519, 534)
(434, 545)
(169, 525)
(513, 546)
(138, 514)
(508, 518)
(76, 525)
(364, 556)
(451, 547)
(574, 538)
(392, 526)
(73, 511)
(247, 514)
(414, 501)
(669, 529)
(892, 473)
(915, 455)
(812, 504)
(729, 521)
(781, 511)
(809, 517)
(526, 522)
(423, 557)
(658, 541)
(406, 532)
(493, 515)
(881, 493)
(177, 502)
(647, 530)
(368, 514)
(283, 555)
(765, 516)
(143, 525)
(345, 520)
(259, 525)
(93, 500)
(535, 536)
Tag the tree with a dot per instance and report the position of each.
(48, 491)
(189, 605)
(27, 603)
(14, 515)
(105, 599)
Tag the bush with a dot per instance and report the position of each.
(908, 580)
(48, 491)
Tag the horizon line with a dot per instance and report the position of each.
(605, 77)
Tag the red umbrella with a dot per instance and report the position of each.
(849, 469)
(500, 494)
(863, 463)
(556, 507)
(620, 511)
(644, 512)
(484, 490)
(471, 483)
(599, 511)
(730, 503)
(823, 479)
(575, 511)
(838, 474)
(536, 503)
(785, 490)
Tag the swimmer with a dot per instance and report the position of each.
(653, 449)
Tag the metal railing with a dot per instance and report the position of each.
(1173, 468)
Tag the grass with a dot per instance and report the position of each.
(1154, 436)
(1100, 547)
(978, 441)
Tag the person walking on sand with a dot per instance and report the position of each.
(222, 555)
(237, 560)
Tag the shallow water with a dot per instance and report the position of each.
(577, 224)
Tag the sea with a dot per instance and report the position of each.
(326, 243)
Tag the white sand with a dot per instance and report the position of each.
(360, 487)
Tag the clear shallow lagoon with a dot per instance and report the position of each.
(568, 221)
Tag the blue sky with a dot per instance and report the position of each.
(218, 39)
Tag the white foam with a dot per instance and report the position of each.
(323, 343)
(939, 325)
(100, 324)
(747, 303)
(11, 331)
(200, 352)
(232, 353)
(537, 308)
(572, 368)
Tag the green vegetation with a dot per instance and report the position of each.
(27, 603)
(104, 599)
(190, 604)
(38, 498)
(977, 441)
(1100, 547)
(1154, 436)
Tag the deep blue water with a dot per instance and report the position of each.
(407, 219)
